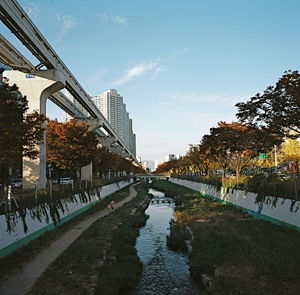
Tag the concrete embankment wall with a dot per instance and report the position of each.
(17, 230)
(277, 210)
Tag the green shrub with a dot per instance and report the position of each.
(271, 186)
(177, 237)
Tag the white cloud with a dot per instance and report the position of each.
(34, 13)
(139, 70)
(188, 49)
(65, 20)
(114, 18)
(96, 76)
(157, 71)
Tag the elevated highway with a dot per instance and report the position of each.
(49, 76)
(13, 58)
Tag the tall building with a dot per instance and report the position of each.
(132, 138)
(126, 127)
(111, 105)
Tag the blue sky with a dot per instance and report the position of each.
(180, 65)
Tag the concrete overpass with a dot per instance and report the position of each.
(45, 80)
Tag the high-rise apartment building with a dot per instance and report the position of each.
(112, 106)
(132, 139)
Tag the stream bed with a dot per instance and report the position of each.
(165, 271)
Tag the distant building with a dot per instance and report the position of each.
(132, 138)
(111, 105)
(172, 157)
(156, 163)
(169, 157)
(148, 165)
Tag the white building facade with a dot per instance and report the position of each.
(112, 106)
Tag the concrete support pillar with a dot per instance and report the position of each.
(94, 123)
(117, 150)
(87, 171)
(108, 141)
(37, 89)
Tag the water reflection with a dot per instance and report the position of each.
(165, 271)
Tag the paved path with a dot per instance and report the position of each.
(22, 281)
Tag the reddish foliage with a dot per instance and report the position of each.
(70, 145)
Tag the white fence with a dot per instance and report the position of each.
(284, 211)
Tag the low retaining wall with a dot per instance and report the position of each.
(283, 211)
(16, 230)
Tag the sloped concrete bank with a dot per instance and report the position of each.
(36, 225)
(285, 212)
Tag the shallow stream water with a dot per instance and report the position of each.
(165, 271)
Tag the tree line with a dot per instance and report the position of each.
(266, 131)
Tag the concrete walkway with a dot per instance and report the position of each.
(22, 281)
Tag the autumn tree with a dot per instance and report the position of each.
(183, 165)
(215, 149)
(208, 154)
(102, 160)
(166, 166)
(195, 157)
(21, 131)
(105, 160)
(277, 109)
(70, 145)
(291, 152)
(240, 143)
(126, 165)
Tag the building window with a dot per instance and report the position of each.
(29, 76)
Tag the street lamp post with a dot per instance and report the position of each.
(50, 178)
(275, 157)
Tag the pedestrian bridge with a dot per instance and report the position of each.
(151, 176)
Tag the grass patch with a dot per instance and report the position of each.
(103, 258)
(16, 260)
(240, 254)
(177, 237)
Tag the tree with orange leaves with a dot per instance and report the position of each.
(106, 160)
(166, 166)
(240, 143)
(70, 145)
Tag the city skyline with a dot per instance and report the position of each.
(181, 66)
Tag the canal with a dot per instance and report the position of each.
(165, 271)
